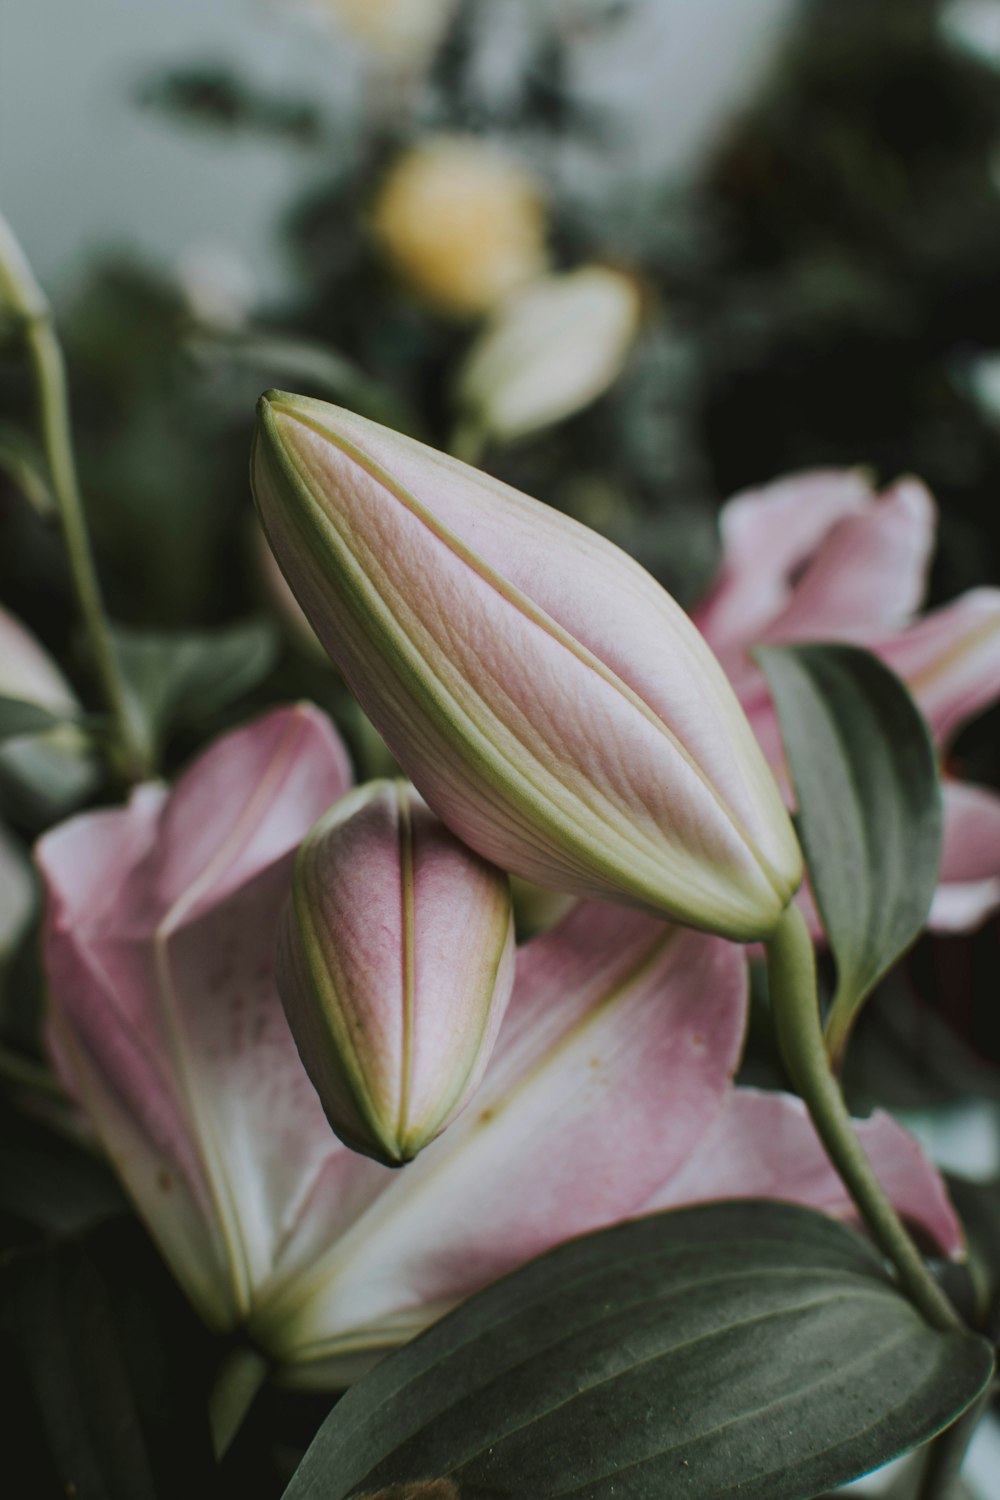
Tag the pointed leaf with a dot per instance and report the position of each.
(182, 677)
(744, 1348)
(18, 717)
(869, 800)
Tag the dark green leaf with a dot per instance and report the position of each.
(741, 1348)
(869, 802)
(180, 678)
(18, 717)
(281, 358)
(99, 1356)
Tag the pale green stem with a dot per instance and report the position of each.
(946, 1453)
(50, 375)
(791, 969)
(240, 1377)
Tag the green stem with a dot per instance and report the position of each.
(239, 1379)
(946, 1453)
(791, 969)
(50, 376)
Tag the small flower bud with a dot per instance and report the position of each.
(461, 224)
(395, 964)
(550, 350)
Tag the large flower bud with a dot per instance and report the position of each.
(553, 704)
(395, 964)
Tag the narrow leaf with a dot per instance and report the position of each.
(181, 677)
(18, 716)
(740, 1348)
(869, 800)
(25, 467)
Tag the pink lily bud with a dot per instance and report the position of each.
(395, 963)
(555, 707)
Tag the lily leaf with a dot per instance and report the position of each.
(869, 800)
(180, 677)
(741, 1348)
(18, 717)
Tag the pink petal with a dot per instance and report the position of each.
(969, 889)
(613, 1061)
(870, 572)
(767, 535)
(244, 803)
(950, 660)
(28, 671)
(763, 1145)
(165, 1018)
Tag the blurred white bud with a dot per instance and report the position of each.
(550, 350)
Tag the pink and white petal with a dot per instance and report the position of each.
(28, 671)
(620, 1042)
(870, 573)
(262, 1133)
(969, 888)
(763, 1145)
(244, 803)
(767, 534)
(950, 660)
(177, 1215)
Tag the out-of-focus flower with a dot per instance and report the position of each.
(403, 31)
(820, 556)
(553, 704)
(461, 224)
(550, 350)
(611, 1074)
(52, 769)
(395, 962)
(28, 672)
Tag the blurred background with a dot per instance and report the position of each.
(629, 255)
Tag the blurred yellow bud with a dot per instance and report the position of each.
(461, 224)
(551, 349)
(396, 30)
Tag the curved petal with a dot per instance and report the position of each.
(767, 536)
(969, 888)
(870, 572)
(614, 1059)
(164, 1013)
(763, 1145)
(244, 803)
(28, 671)
(950, 660)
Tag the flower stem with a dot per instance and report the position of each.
(23, 302)
(946, 1453)
(791, 969)
(50, 376)
(239, 1379)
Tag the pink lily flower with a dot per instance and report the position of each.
(821, 556)
(609, 1092)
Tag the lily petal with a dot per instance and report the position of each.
(969, 889)
(614, 1058)
(950, 660)
(763, 1145)
(164, 1014)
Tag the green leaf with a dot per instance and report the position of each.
(18, 716)
(740, 1348)
(103, 1397)
(869, 800)
(181, 677)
